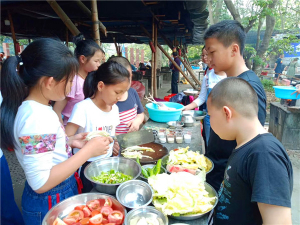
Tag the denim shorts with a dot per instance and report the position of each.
(35, 206)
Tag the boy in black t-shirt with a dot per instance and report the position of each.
(225, 42)
(258, 180)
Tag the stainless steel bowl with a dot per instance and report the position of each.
(211, 193)
(199, 115)
(164, 161)
(162, 170)
(134, 193)
(175, 124)
(63, 208)
(123, 165)
(147, 212)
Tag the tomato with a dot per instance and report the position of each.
(115, 217)
(79, 207)
(85, 221)
(96, 219)
(104, 221)
(58, 222)
(93, 205)
(111, 224)
(106, 211)
(105, 202)
(176, 149)
(95, 212)
(69, 220)
(76, 214)
(86, 212)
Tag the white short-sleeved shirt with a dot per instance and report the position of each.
(41, 142)
(208, 82)
(90, 118)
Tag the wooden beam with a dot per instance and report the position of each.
(153, 75)
(96, 32)
(13, 34)
(63, 16)
(168, 42)
(155, 57)
(191, 72)
(88, 13)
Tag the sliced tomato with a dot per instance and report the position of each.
(93, 205)
(96, 219)
(106, 211)
(176, 149)
(76, 214)
(111, 224)
(85, 221)
(115, 217)
(95, 212)
(58, 222)
(86, 212)
(79, 207)
(105, 202)
(69, 220)
(104, 221)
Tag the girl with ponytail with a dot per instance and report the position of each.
(32, 128)
(89, 56)
(102, 90)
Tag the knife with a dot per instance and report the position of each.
(135, 138)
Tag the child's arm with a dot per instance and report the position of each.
(200, 99)
(96, 146)
(71, 129)
(273, 214)
(59, 107)
(135, 124)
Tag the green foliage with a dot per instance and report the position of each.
(194, 52)
(249, 52)
(268, 85)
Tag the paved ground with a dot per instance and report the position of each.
(18, 177)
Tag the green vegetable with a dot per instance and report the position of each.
(150, 170)
(145, 173)
(156, 169)
(112, 177)
(138, 161)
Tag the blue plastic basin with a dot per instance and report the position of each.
(285, 92)
(164, 116)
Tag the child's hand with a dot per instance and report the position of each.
(78, 140)
(297, 92)
(134, 125)
(98, 145)
(116, 148)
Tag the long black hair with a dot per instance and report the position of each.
(85, 47)
(109, 73)
(43, 57)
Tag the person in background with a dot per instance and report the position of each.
(297, 92)
(278, 67)
(175, 74)
(31, 127)
(133, 68)
(210, 79)
(292, 69)
(90, 57)
(102, 90)
(258, 179)
(225, 42)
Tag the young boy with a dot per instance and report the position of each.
(258, 179)
(225, 43)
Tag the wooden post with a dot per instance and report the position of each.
(67, 37)
(153, 84)
(126, 52)
(63, 16)
(142, 55)
(131, 56)
(117, 49)
(155, 58)
(137, 56)
(13, 34)
(170, 58)
(95, 21)
(88, 13)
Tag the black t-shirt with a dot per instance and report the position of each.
(258, 171)
(219, 150)
(279, 68)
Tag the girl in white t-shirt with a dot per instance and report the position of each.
(102, 89)
(32, 128)
(89, 56)
(210, 79)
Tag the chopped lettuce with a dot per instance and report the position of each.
(94, 134)
(180, 193)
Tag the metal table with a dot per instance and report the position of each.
(195, 145)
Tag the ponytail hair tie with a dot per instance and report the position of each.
(19, 58)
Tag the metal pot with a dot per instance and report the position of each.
(187, 120)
